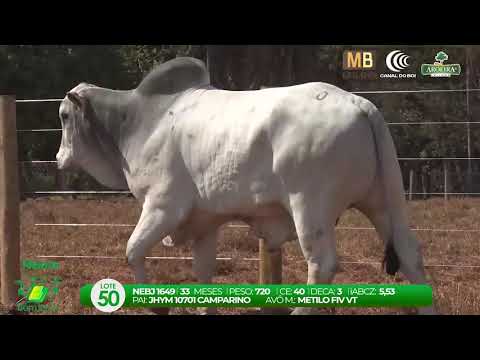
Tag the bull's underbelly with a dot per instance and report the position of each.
(201, 222)
(239, 194)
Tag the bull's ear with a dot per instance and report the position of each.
(76, 99)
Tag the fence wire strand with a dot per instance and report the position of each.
(100, 257)
(246, 226)
(426, 91)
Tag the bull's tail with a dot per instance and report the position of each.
(390, 178)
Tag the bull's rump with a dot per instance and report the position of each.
(247, 148)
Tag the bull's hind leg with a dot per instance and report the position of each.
(319, 250)
(316, 234)
(411, 262)
(153, 225)
(407, 255)
(204, 263)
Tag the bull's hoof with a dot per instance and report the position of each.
(160, 311)
(207, 311)
(11, 310)
(429, 310)
(276, 311)
(305, 311)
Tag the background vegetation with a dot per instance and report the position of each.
(38, 72)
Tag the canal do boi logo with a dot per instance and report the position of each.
(439, 68)
(398, 63)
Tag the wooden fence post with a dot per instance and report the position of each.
(59, 179)
(270, 265)
(445, 180)
(423, 178)
(9, 203)
(270, 269)
(410, 185)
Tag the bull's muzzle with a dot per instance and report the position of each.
(63, 162)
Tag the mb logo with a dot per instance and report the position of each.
(358, 60)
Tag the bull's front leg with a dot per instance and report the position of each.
(154, 224)
(204, 263)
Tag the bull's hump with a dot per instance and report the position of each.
(175, 76)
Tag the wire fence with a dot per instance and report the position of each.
(100, 257)
(246, 226)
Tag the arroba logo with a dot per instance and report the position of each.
(397, 61)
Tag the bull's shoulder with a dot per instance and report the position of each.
(175, 76)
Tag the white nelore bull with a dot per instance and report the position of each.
(288, 161)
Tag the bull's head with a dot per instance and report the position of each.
(72, 114)
(85, 141)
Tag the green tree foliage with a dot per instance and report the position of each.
(140, 59)
(40, 72)
(50, 71)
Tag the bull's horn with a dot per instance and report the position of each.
(75, 98)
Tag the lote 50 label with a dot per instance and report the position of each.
(109, 295)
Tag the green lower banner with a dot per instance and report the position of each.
(364, 295)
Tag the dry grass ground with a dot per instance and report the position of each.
(456, 289)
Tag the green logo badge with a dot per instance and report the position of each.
(40, 294)
(439, 68)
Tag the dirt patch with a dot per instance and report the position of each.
(456, 289)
